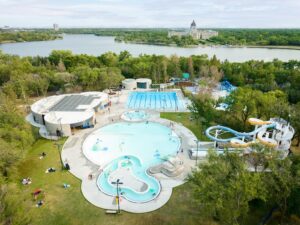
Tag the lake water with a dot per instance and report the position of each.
(93, 45)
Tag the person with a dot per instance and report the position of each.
(39, 203)
(36, 193)
(42, 155)
(182, 150)
(50, 170)
(26, 181)
(66, 164)
(90, 176)
(66, 185)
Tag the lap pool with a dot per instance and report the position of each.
(155, 100)
(125, 151)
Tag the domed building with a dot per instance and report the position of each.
(194, 33)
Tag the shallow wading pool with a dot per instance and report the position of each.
(125, 151)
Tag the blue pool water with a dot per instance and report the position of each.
(135, 115)
(146, 143)
(134, 165)
(154, 100)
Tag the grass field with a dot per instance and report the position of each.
(68, 206)
(184, 118)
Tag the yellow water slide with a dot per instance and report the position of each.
(260, 136)
(255, 121)
(237, 143)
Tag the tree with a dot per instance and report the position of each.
(242, 104)
(191, 67)
(174, 66)
(280, 182)
(61, 66)
(87, 77)
(224, 187)
(295, 122)
(109, 59)
(202, 109)
(259, 157)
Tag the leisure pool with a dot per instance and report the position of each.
(146, 143)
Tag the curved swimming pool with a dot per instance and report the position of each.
(147, 143)
(134, 166)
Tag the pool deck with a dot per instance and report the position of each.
(81, 167)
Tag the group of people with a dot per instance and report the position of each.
(37, 192)
(26, 181)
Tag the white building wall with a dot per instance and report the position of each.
(64, 128)
(129, 84)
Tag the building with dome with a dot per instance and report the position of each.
(195, 33)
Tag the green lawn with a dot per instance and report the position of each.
(68, 206)
(185, 119)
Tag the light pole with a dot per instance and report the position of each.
(197, 141)
(58, 149)
(61, 131)
(118, 196)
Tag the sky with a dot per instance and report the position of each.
(151, 13)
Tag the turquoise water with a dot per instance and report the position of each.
(137, 115)
(154, 100)
(135, 166)
(147, 144)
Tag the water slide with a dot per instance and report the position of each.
(238, 139)
(173, 167)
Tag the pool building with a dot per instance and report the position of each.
(57, 115)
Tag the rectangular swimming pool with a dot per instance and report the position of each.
(155, 100)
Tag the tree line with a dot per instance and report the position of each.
(159, 36)
(259, 37)
(251, 37)
(26, 36)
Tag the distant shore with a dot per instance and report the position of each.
(174, 45)
(216, 45)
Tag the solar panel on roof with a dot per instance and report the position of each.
(70, 103)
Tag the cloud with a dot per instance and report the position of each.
(150, 13)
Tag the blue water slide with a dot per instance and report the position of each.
(238, 135)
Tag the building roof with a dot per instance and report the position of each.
(193, 24)
(129, 80)
(69, 108)
(68, 117)
(143, 80)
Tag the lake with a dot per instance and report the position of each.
(94, 45)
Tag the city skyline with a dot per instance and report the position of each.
(151, 13)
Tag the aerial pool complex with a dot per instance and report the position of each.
(155, 101)
(126, 151)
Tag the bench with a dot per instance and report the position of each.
(110, 211)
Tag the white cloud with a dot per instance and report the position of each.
(150, 13)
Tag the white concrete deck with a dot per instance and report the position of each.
(81, 167)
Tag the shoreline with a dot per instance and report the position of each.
(174, 45)
(214, 45)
